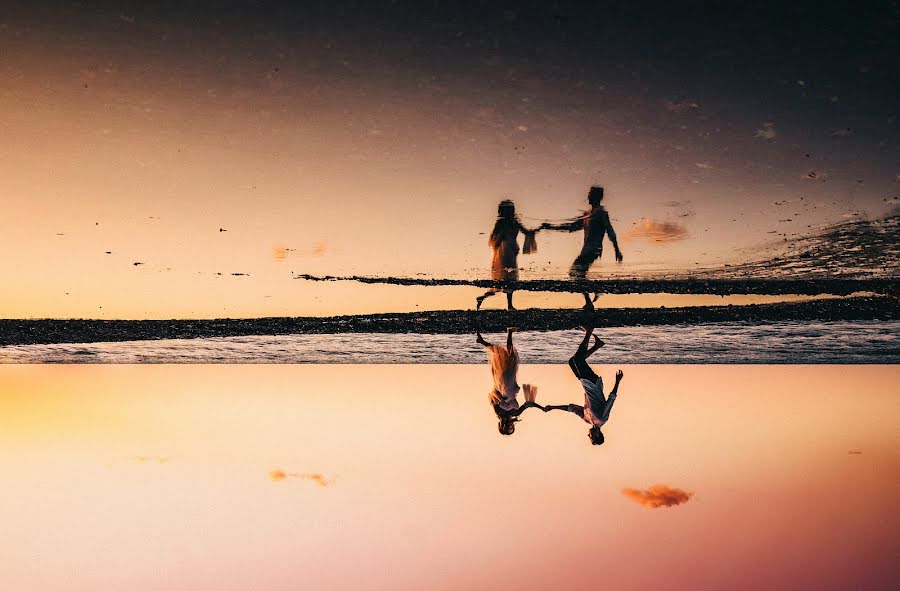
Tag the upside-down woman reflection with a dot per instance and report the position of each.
(504, 363)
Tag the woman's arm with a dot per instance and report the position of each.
(522, 408)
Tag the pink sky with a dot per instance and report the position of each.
(149, 477)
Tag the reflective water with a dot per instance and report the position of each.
(812, 342)
(395, 477)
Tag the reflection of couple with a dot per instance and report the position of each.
(504, 242)
(504, 362)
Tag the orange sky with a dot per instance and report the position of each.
(423, 492)
(143, 138)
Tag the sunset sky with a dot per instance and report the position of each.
(160, 476)
(268, 140)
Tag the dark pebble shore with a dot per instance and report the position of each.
(29, 332)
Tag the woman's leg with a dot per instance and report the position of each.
(480, 299)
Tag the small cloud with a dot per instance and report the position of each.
(320, 248)
(157, 459)
(766, 132)
(280, 253)
(522, 127)
(316, 477)
(703, 165)
(658, 495)
(656, 231)
(319, 479)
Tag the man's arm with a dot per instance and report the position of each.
(612, 237)
(572, 408)
(612, 397)
(573, 226)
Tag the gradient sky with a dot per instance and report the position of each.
(148, 477)
(346, 138)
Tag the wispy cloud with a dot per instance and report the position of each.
(766, 132)
(656, 231)
(157, 459)
(280, 253)
(658, 495)
(682, 105)
(316, 477)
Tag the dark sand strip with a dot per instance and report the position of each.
(27, 332)
(809, 287)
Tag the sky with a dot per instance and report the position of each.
(236, 477)
(187, 162)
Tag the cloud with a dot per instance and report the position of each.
(656, 231)
(658, 495)
(681, 106)
(280, 253)
(316, 477)
(766, 132)
(157, 459)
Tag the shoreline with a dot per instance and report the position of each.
(58, 331)
(624, 286)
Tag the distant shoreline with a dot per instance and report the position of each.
(56, 331)
(623, 286)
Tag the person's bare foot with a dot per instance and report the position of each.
(597, 342)
(512, 309)
(478, 301)
(512, 329)
(596, 296)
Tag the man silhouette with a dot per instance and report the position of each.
(596, 225)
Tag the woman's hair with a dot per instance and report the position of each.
(507, 423)
(506, 209)
(595, 195)
(596, 435)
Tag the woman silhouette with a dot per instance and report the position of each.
(505, 246)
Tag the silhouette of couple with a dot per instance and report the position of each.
(504, 362)
(504, 243)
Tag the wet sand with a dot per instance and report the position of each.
(28, 332)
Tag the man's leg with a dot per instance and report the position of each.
(584, 260)
(578, 361)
